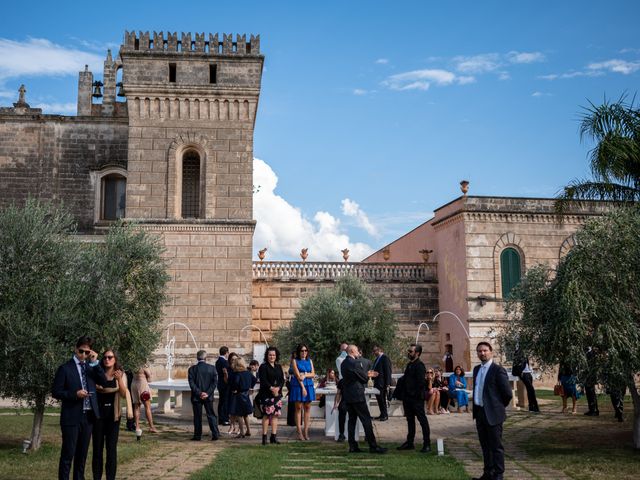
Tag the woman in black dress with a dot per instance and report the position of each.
(107, 427)
(240, 405)
(271, 378)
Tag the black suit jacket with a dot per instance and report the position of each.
(66, 384)
(354, 376)
(496, 393)
(383, 367)
(415, 383)
(202, 378)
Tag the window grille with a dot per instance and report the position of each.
(191, 185)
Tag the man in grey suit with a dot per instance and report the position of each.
(491, 394)
(202, 381)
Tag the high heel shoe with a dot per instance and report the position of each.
(274, 439)
(264, 439)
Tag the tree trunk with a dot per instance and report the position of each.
(36, 429)
(636, 415)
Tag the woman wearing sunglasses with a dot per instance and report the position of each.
(302, 389)
(111, 397)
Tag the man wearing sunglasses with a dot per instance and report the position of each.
(413, 400)
(75, 385)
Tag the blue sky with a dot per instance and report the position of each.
(371, 112)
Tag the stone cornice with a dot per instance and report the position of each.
(487, 216)
(209, 226)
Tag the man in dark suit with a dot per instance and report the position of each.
(522, 370)
(222, 368)
(415, 385)
(491, 394)
(354, 378)
(75, 385)
(381, 381)
(202, 381)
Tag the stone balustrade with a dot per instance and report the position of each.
(331, 271)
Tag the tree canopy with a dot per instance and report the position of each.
(55, 288)
(590, 303)
(349, 312)
(615, 158)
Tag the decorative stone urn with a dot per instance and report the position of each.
(262, 253)
(386, 253)
(464, 186)
(304, 254)
(345, 254)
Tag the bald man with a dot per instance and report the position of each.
(355, 377)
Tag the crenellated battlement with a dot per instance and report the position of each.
(188, 43)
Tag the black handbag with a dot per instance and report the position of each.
(400, 391)
(257, 411)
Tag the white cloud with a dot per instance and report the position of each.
(352, 209)
(504, 76)
(284, 230)
(422, 79)
(525, 57)
(616, 66)
(60, 108)
(39, 56)
(541, 94)
(483, 63)
(359, 91)
(382, 61)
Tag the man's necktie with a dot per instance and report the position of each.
(87, 401)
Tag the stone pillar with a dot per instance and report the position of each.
(85, 82)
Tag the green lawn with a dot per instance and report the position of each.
(322, 460)
(587, 447)
(43, 464)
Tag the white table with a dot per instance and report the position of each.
(182, 393)
(331, 428)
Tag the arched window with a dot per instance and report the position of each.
(191, 184)
(114, 190)
(509, 269)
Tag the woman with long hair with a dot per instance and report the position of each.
(271, 378)
(141, 395)
(107, 427)
(432, 394)
(457, 389)
(234, 423)
(302, 389)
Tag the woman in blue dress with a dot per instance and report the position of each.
(457, 389)
(240, 405)
(302, 389)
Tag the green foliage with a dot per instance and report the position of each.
(349, 312)
(125, 282)
(592, 302)
(54, 288)
(39, 301)
(615, 158)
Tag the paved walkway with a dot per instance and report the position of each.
(176, 457)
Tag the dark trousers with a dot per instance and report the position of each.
(342, 417)
(444, 399)
(382, 402)
(75, 445)
(617, 400)
(491, 442)
(592, 399)
(211, 418)
(105, 435)
(223, 404)
(360, 411)
(415, 409)
(527, 380)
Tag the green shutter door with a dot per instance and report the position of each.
(510, 270)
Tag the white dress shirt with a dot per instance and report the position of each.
(478, 388)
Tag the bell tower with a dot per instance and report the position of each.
(192, 102)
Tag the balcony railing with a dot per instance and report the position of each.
(330, 271)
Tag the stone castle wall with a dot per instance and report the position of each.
(51, 157)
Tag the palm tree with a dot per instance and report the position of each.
(615, 160)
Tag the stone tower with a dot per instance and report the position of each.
(192, 102)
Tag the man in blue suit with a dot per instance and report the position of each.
(75, 385)
(491, 394)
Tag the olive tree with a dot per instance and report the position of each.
(349, 312)
(586, 313)
(54, 288)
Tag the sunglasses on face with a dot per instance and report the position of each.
(304, 350)
(109, 357)
(430, 373)
(410, 351)
(84, 352)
